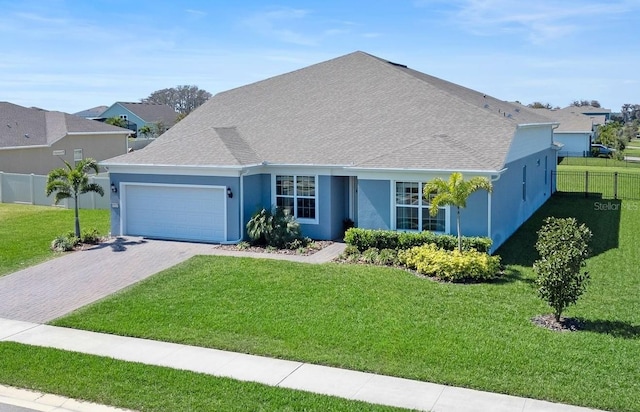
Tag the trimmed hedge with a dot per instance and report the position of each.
(365, 239)
(451, 265)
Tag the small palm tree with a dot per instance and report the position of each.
(454, 193)
(72, 182)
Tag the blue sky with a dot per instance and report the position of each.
(72, 55)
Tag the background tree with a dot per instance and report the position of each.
(630, 112)
(539, 105)
(563, 246)
(71, 182)
(116, 121)
(581, 103)
(183, 99)
(145, 131)
(610, 134)
(454, 192)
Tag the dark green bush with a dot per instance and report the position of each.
(364, 239)
(387, 257)
(90, 236)
(563, 246)
(276, 229)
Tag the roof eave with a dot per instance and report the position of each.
(99, 133)
(525, 125)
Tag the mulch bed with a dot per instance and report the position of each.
(306, 251)
(550, 322)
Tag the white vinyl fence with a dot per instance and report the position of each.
(30, 190)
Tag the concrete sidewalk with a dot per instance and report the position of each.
(23, 400)
(343, 383)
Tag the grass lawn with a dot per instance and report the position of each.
(597, 162)
(601, 181)
(389, 321)
(26, 232)
(148, 388)
(632, 152)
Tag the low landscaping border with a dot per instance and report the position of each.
(365, 239)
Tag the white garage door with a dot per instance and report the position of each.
(175, 212)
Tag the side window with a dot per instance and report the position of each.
(77, 155)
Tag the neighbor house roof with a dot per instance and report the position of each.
(92, 113)
(22, 126)
(597, 114)
(151, 112)
(353, 111)
(569, 122)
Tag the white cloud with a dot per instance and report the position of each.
(276, 24)
(539, 21)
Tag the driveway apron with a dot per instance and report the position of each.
(54, 288)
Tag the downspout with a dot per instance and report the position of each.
(241, 201)
(489, 210)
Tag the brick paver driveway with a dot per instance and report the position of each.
(49, 290)
(52, 289)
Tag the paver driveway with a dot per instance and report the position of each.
(52, 289)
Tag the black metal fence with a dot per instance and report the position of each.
(608, 185)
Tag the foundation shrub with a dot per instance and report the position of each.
(451, 265)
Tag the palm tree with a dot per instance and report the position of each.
(454, 193)
(72, 182)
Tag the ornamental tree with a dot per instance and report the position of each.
(71, 182)
(563, 246)
(454, 192)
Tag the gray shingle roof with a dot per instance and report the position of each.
(356, 110)
(569, 121)
(22, 126)
(92, 113)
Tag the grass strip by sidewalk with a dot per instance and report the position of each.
(26, 232)
(151, 388)
(391, 322)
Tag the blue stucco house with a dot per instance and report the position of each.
(139, 114)
(353, 137)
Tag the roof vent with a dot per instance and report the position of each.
(486, 105)
(26, 135)
(517, 110)
(509, 116)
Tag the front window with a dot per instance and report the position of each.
(412, 209)
(297, 195)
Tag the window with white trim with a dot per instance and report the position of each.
(412, 209)
(297, 195)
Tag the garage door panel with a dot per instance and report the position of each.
(176, 212)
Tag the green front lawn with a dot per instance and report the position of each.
(389, 321)
(150, 388)
(26, 232)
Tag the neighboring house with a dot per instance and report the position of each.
(36, 141)
(140, 114)
(354, 137)
(598, 115)
(575, 131)
(93, 113)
